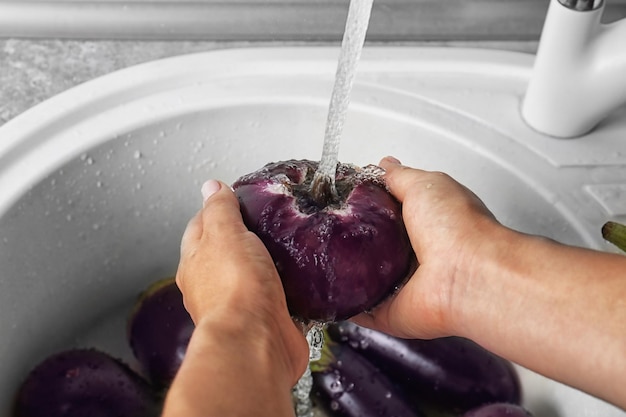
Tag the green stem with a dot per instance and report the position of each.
(615, 233)
(328, 356)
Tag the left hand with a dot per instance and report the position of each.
(227, 274)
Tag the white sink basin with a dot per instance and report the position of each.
(99, 182)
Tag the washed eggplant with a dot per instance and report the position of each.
(451, 371)
(498, 410)
(159, 329)
(337, 255)
(85, 382)
(346, 384)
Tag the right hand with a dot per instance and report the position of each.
(447, 224)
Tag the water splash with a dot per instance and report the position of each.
(315, 338)
(302, 391)
(351, 47)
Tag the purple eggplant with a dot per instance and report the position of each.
(85, 382)
(346, 384)
(159, 329)
(498, 410)
(451, 371)
(337, 256)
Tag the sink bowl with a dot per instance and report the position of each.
(99, 182)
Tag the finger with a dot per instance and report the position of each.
(400, 179)
(378, 319)
(192, 233)
(390, 160)
(209, 188)
(395, 315)
(366, 320)
(221, 212)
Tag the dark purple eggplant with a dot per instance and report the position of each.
(337, 256)
(346, 384)
(159, 329)
(498, 410)
(451, 371)
(85, 383)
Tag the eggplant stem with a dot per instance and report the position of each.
(327, 356)
(615, 233)
(323, 189)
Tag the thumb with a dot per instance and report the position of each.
(399, 178)
(221, 212)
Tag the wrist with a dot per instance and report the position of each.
(482, 277)
(241, 356)
(263, 342)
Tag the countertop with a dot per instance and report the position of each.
(48, 46)
(32, 70)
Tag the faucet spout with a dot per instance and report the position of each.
(579, 76)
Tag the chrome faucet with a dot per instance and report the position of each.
(579, 76)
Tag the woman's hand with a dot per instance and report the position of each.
(556, 309)
(447, 224)
(245, 344)
(225, 272)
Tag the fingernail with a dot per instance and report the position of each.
(393, 160)
(209, 188)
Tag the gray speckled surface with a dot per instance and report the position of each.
(34, 70)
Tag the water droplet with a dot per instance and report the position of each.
(336, 385)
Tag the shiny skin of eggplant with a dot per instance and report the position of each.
(346, 384)
(452, 371)
(159, 329)
(85, 382)
(336, 257)
(498, 410)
